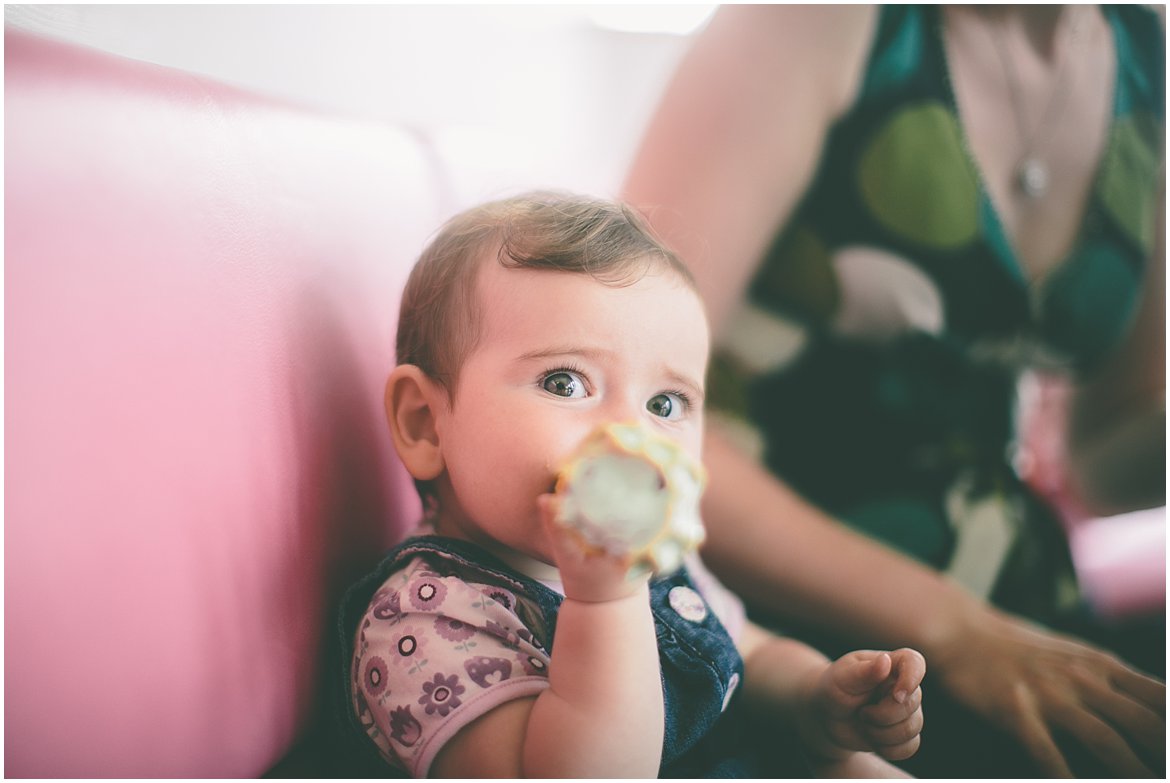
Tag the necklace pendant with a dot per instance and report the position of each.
(1032, 178)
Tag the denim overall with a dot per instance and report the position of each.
(699, 663)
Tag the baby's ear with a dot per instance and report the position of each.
(411, 409)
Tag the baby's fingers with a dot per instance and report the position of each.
(888, 712)
(858, 673)
(899, 750)
(562, 540)
(909, 669)
(568, 552)
(894, 739)
(549, 505)
(588, 573)
(898, 734)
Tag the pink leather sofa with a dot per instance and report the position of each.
(201, 290)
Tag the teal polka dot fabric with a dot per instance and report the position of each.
(916, 179)
(914, 316)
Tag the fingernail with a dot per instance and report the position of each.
(900, 696)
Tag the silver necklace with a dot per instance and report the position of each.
(1032, 176)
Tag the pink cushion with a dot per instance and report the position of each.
(1120, 560)
(1121, 563)
(201, 290)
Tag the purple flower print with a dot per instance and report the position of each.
(453, 630)
(404, 729)
(388, 606)
(427, 593)
(532, 665)
(409, 645)
(499, 631)
(375, 676)
(501, 596)
(441, 695)
(485, 671)
(527, 636)
(363, 710)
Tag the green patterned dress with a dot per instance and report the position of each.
(877, 358)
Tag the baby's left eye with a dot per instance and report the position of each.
(667, 405)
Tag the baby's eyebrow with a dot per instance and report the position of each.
(588, 352)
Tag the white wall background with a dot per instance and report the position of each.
(513, 96)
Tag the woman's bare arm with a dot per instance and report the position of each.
(739, 132)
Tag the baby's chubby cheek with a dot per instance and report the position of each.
(500, 490)
(539, 450)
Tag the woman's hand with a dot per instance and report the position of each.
(1038, 685)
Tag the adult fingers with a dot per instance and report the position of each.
(1033, 734)
(1132, 717)
(1103, 742)
(1145, 689)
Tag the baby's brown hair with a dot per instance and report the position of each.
(439, 320)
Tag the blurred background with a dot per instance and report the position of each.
(511, 96)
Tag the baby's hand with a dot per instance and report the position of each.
(588, 576)
(871, 701)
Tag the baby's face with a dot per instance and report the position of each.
(558, 355)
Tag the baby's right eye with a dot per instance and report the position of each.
(564, 383)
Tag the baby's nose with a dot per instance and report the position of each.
(623, 408)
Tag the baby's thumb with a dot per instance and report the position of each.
(864, 673)
(564, 541)
(549, 506)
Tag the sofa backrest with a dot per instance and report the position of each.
(201, 293)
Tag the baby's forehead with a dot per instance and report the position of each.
(494, 269)
(552, 300)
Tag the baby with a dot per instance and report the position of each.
(490, 643)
